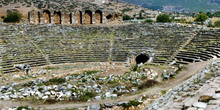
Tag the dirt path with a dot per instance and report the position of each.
(189, 70)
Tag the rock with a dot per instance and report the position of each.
(45, 97)
(200, 105)
(205, 98)
(14, 96)
(217, 91)
(109, 105)
(25, 94)
(95, 107)
(69, 86)
(98, 98)
(47, 93)
(16, 76)
(95, 86)
(43, 71)
(6, 97)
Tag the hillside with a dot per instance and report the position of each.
(179, 5)
(24, 6)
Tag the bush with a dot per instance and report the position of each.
(217, 24)
(126, 17)
(163, 18)
(23, 108)
(87, 96)
(54, 81)
(148, 84)
(131, 103)
(148, 21)
(201, 17)
(13, 17)
(135, 67)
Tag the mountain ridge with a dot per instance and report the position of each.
(179, 5)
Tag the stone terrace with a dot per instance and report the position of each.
(45, 44)
(16, 48)
(201, 91)
(204, 46)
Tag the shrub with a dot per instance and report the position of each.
(126, 17)
(54, 81)
(23, 108)
(201, 17)
(217, 23)
(163, 18)
(87, 96)
(148, 21)
(135, 68)
(148, 84)
(131, 103)
(13, 17)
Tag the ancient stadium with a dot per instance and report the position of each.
(89, 59)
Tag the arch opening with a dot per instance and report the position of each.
(70, 15)
(78, 17)
(38, 17)
(57, 17)
(46, 17)
(88, 17)
(142, 59)
(98, 16)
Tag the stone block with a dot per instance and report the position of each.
(200, 105)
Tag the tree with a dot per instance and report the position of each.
(126, 17)
(13, 17)
(163, 18)
(209, 14)
(201, 17)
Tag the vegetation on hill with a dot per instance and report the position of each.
(201, 17)
(163, 18)
(13, 17)
(188, 5)
(217, 24)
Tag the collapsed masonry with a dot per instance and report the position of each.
(75, 17)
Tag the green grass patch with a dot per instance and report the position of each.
(87, 96)
(53, 81)
(131, 103)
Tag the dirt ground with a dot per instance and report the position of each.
(187, 72)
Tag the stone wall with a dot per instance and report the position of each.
(74, 17)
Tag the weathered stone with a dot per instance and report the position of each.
(200, 105)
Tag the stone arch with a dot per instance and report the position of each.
(78, 17)
(46, 16)
(142, 58)
(98, 16)
(57, 17)
(88, 17)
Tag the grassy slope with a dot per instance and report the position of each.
(190, 5)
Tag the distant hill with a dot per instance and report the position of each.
(179, 5)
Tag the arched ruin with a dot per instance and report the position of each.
(142, 58)
(98, 16)
(78, 17)
(46, 17)
(88, 17)
(75, 17)
(57, 17)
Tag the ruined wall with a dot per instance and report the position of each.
(75, 17)
(68, 44)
